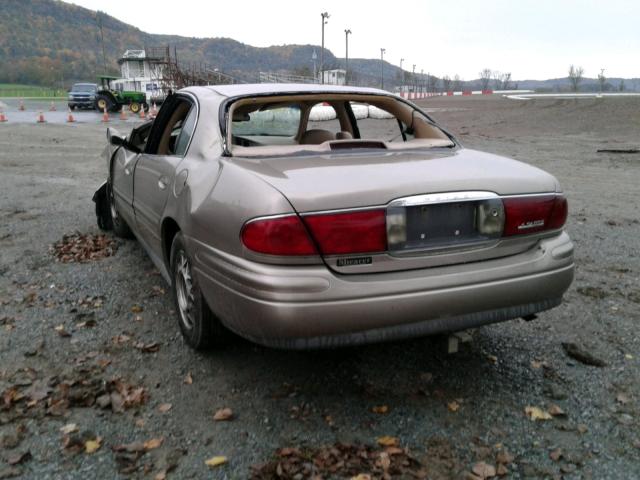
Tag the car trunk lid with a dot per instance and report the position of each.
(440, 192)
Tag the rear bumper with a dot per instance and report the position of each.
(311, 307)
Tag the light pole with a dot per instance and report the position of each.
(382, 50)
(314, 57)
(413, 77)
(324, 16)
(346, 55)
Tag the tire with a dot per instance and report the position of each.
(103, 101)
(134, 107)
(72, 107)
(145, 105)
(200, 328)
(103, 213)
(120, 227)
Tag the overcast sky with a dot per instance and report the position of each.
(533, 39)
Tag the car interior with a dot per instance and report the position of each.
(293, 124)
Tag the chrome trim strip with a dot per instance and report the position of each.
(269, 217)
(343, 210)
(446, 197)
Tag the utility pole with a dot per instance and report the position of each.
(413, 77)
(382, 50)
(314, 57)
(324, 16)
(346, 55)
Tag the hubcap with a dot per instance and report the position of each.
(102, 103)
(184, 290)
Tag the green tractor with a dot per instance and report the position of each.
(113, 100)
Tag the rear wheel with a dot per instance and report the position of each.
(199, 326)
(103, 102)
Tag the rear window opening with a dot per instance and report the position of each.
(299, 124)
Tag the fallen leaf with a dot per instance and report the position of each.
(582, 355)
(61, 331)
(385, 461)
(387, 441)
(504, 457)
(380, 409)
(538, 364)
(555, 454)
(137, 309)
(484, 470)
(223, 414)
(216, 461)
(147, 348)
(501, 471)
(19, 458)
(628, 356)
(69, 428)
(453, 406)
(91, 446)
(536, 413)
(165, 407)
(623, 398)
(582, 428)
(153, 443)
(556, 411)
(188, 379)
(361, 476)
(492, 358)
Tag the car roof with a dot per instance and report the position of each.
(243, 89)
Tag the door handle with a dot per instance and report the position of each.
(163, 182)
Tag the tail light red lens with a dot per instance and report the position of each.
(350, 232)
(536, 213)
(278, 236)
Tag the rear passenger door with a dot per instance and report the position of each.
(155, 170)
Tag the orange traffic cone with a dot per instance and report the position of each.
(21, 105)
(105, 115)
(142, 111)
(41, 117)
(52, 108)
(3, 117)
(123, 114)
(70, 118)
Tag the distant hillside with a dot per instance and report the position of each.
(52, 43)
(48, 41)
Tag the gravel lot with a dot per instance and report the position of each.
(79, 341)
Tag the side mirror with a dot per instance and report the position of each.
(116, 140)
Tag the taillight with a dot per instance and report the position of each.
(350, 232)
(278, 236)
(535, 213)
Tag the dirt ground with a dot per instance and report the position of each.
(96, 382)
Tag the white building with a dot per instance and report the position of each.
(140, 75)
(335, 77)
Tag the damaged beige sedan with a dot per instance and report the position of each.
(308, 216)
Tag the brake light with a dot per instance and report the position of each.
(278, 236)
(536, 213)
(349, 232)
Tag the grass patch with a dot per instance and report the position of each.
(30, 91)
